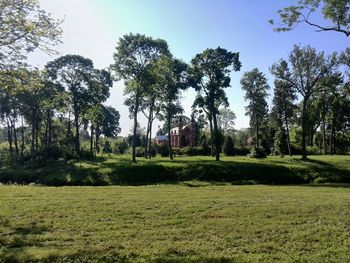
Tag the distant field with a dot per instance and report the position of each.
(175, 223)
(118, 170)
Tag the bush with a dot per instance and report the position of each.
(107, 148)
(163, 149)
(205, 149)
(314, 150)
(257, 152)
(228, 147)
(120, 147)
(242, 151)
(139, 151)
(191, 151)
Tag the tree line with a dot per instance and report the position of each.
(50, 112)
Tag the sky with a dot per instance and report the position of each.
(92, 28)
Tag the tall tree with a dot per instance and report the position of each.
(255, 85)
(132, 62)
(283, 108)
(99, 84)
(335, 12)
(170, 75)
(305, 70)
(209, 75)
(226, 120)
(73, 72)
(24, 26)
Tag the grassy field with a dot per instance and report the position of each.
(175, 223)
(118, 170)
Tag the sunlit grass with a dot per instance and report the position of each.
(175, 223)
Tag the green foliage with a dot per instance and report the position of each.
(257, 152)
(205, 149)
(163, 149)
(254, 83)
(228, 147)
(120, 146)
(209, 76)
(278, 143)
(335, 13)
(25, 27)
(226, 121)
(133, 62)
(107, 148)
(304, 72)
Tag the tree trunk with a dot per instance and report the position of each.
(33, 133)
(9, 137)
(147, 134)
(211, 136)
(136, 109)
(150, 139)
(97, 137)
(257, 132)
(22, 137)
(216, 138)
(68, 130)
(303, 130)
(312, 137)
(50, 130)
(15, 137)
(36, 137)
(323, 135)
(77, 132)
(92, 139)
(169, 136)
(288, 136)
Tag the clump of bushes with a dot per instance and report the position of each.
(257, 152)
(163, 149)
(228, 147)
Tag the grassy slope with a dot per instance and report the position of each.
(174, 223)
(106, 170)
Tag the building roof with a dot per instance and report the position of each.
(176, 129)
(161, 138)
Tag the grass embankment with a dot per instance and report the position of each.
(118, 170)
(174, 223)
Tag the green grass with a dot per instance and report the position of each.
(118, 170)
(175, 223)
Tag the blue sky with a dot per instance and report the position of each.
(93, 27)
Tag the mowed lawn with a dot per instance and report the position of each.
(175, 223)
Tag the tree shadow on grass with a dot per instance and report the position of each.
(15, 241)
(121, 171)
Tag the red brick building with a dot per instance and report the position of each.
(183, 136)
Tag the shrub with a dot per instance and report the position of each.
(120, 147)
(242, 151)
(187, 151)
(228, 147)
(313, 150)
(205, 149)
(257, 152)
(139, 151)
(191, 151)
(107, 148)
(163, 149)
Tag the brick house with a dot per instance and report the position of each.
(180, 136)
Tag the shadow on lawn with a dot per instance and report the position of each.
(121, 171)
(15, 241)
